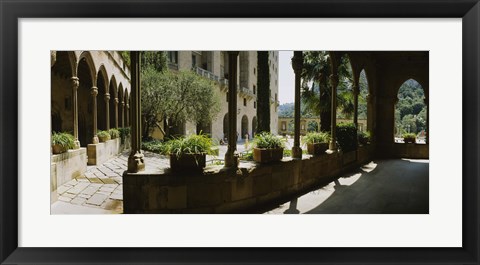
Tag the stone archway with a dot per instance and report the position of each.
(113, 105)
(62, 91)
(102, 85)
(85, 106)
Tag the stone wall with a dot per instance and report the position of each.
(101, 152)
(219, 190)
(65, 167)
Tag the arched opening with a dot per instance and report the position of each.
(113, 94)
(225, 126)
(254, 126)
(121, 103)
(410, 112)
(102, 84)
(244, 127)
(85, 104)
(61, 92)
(126, 99)
(363, 102)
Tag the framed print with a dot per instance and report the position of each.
(224, 65)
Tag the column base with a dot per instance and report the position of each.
(231, 159)
(76, 143)
(135, 162)
(333, 146)
(297, 152)
(95, 140)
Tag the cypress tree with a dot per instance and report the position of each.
(263, 89)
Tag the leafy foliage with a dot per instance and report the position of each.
(268, 140)
(316, 137)
(192, 144)
(155, 146)
(410, 111)
(114, 133)
(364, 137)
(347, 137)
(104, 135)
(124, 133)
(63, 139)
(409, 137)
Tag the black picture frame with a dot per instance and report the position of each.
(11, 11)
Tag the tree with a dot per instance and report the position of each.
(316, 94)
(176, 98)
(263, 89)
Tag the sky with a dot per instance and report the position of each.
(286, 78)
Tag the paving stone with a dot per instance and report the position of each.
(83, 180)
(72, 182)
(97, 199)
(85, 196)
(108, 181)
(99, 175)
(96, 180)
(64, 199)
(90, 190)
(96, 184)
(110, 186)
(116, 196)
(104, 193)
(89, 175)
(69, 195)
(78, 201)
(107, 189)
(63, 188)
(78, 188)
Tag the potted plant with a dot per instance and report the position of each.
(347, 137)
(61, 142)
(103, 136)
(267, 148)
(364, 138)
(189, 153)
(114, 133)
(124, 134)
(409, 138)
(317, 142)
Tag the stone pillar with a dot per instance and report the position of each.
(75, 85)
(334, 83)
(94, 93)
(135, 159)
(297, 64)
(231, 156)
(115, 101)
(123, 114)
(355, 102)
(107, 110)
(427, 131)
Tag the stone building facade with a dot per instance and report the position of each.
(214, 65)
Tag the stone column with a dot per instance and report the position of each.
(107, 110)
(94, 93)
(355, 102)
(135, 159)
(297, 64)
(75, 85)
(231, 156)
(334, 83)
(427, 131)
(127, 114)
(115, 101)
(123, 113)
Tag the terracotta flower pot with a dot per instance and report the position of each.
(317, 148)
(263, 155)
(187, 162)
(58, 149)
(103, 138)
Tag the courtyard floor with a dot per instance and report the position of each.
(385, 186)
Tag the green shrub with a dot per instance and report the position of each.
(103, 134)
(154, 146)
(364, 137)
(316, 137)
(114, 133)
(192, 144)
(63, 139)
(268, 140)
(409, 137)
(347, 137)
(124, 133)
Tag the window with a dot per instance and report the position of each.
(284, 126)
(172, 57)
(227, 97)
(254, 89)
(194, 60)
(254, 70)
(254, 104)
(244, 102)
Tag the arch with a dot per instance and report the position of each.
(85, 103)
(56, 118)
(364, 107)
(87, 58)
(254, 126)
(410, 113)
(225, 126)
(102, 85)
(61, 91)
(65, 64)
(113, 94)
(244, 127)
(121, 108)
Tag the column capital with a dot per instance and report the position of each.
(297, 62)
(115, 100)
(75, 82)
(107, 96)
(94, 91)
(334, 80)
